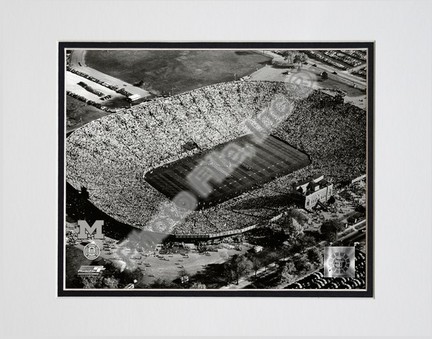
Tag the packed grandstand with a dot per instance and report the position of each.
(110, 156)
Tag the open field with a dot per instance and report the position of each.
(79, 113)
(176, 71)
(152, 265)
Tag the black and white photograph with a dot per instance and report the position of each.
(216, 169)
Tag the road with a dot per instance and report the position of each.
(345, 75)
(340, 81)
(355, 234)
(341, 75)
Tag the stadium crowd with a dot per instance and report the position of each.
(110, 156)
(90, 102)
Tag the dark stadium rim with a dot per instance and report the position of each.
(273, 158)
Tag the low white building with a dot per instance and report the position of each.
(134, 97)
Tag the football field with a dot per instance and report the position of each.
(271, 158)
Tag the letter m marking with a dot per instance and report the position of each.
(85, 230)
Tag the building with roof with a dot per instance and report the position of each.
(134, 97)
(314, 191)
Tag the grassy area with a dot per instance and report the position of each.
(175, 71)
(75, 259)
(79, 113)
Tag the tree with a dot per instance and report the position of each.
(300, 58)
(324, 75)
(289, 273)
(110, 282)
(283, 63)
(198, 285)
(256, 264)
(308, 241)
(91, 282)
(288, 227)
(361, 209)
(288, 56)
(298, 215)
(330, 229)
(314, 256)
(228, 273)
(308, 267)
(100, 282)
(159, 283)
(239, 265)
(183, 276)
(182, 272)
(300, 262)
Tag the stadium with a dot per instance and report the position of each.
(134, 161)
